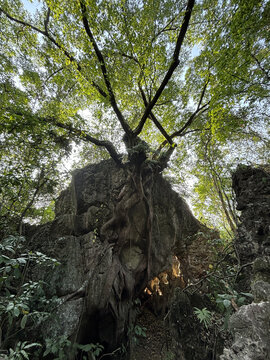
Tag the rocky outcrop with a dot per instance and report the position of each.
(251, 324)
(115, 229)
(252, 189)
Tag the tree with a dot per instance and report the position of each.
(214, 200)
(130, 64)
(152, 84)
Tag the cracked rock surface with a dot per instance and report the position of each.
(251, 324)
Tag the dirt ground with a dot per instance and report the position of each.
(157, 343)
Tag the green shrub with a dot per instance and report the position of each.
(23, 302)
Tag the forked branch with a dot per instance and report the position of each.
(173, 66)
(155, 120)
(199, 110)
(44, 33)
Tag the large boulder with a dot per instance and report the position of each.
(115, 229)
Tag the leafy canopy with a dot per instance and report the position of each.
(174, 73)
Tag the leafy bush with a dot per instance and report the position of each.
(135, 332)
(23, 302)
(91, 350)
(232, 301)
(21, 351)
(61, 346)
(58, 347)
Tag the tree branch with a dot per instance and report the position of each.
(228, 211)
(46, 21)
(187, 124)
(78, 133)
(101, 91)
(154, 119)
(266, 73)
(200, 110)
(44, 33)
(21, 22)
(173, 66)
(39, 186)
(86, 137)
(54, 73)
(190, 120)
(101, 60)
(164, 29)
(130, 57)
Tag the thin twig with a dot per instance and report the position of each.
(110, 354)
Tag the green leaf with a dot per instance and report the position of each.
(86, 347)
(16, 311)
(54, 349)
(23, 352)
(247, 294)
(227, 303)
(240, 301)
(4, 259)
(23, 321)
(17, 273)
(10, 306)
(46, 352)
(32, 345)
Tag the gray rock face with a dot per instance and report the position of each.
(114, 230)
(252, 189)
(251, 324)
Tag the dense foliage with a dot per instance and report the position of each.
(190, 78)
